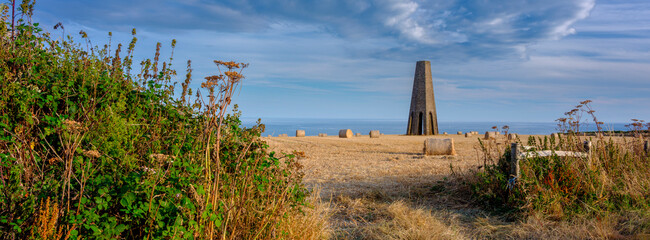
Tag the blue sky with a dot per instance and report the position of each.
(491, 60)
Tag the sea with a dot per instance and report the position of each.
(312, 127)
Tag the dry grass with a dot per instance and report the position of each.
(311, 223)
(406, 222)
(366, 218)
(385, 188)
(537, 227)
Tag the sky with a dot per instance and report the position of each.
(491, 60)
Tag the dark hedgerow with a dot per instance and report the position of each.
(88, 149)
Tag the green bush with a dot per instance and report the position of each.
(89, 149)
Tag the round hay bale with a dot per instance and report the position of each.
(435, 146)
(300, 133)
(459, 133)
(555, 135)
(345, 133)
(490, 135)
(374, 134)
(357, 134)
(444, 133)
(512, 136)
(322, 134)
(468, 135)
(285, 135)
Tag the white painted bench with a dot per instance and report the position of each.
(516, 155)
(548, 153)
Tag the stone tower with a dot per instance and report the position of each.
(422, 116)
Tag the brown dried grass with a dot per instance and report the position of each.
(407, 222)
(311, 223)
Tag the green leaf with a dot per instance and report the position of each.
(74, 233)
(120, 228)
(127, 200)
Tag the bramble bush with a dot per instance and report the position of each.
(88, 149)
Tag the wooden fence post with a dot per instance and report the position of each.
(514, 160)
(587, 147)
(646, 146)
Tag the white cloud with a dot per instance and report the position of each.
(564, 28)
(402, 20)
